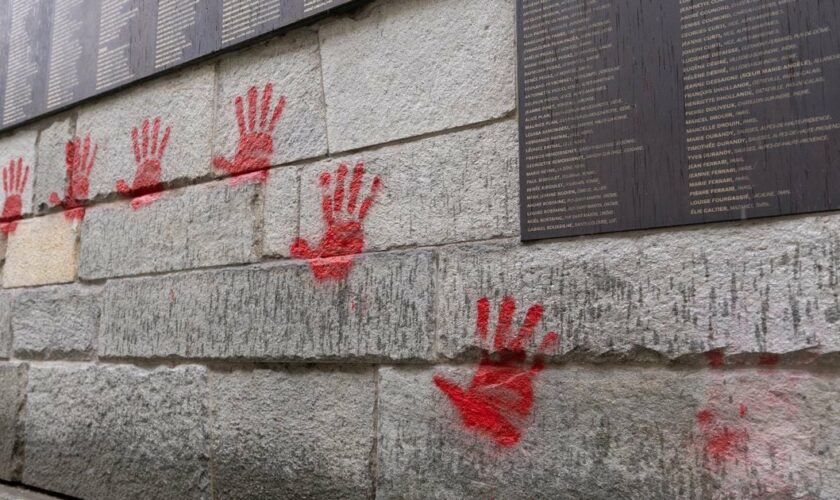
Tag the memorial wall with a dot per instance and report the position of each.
(647, 113)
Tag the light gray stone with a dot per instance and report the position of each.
(281, 212)
(293, 434)
(383, 310)
(51, 170)
(19, 145)
(56, 322)
(184, 102)
(406, 68)
(756, 287)
(6, 300)
(11, 493)
(117, 432)
(12, 400)
(447, 189)
(617, 433)
(292, 66)
(199, 226)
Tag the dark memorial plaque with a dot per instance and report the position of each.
(649, 113)
(54, 54)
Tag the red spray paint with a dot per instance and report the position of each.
(344, 236)
(148, 154)
(79, 160)
(501, 394)
(15, 176)
(256, 144)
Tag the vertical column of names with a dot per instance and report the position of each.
(313, 5)
(174, 18)
(113, 64)
(241, 18)
(564, 78)
(22, 66)
(65, 54)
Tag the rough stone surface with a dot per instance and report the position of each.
(117, 432)
(42, 250)
(56, 322)
(51, 170)
(281, 212)
(293, 434)
(199, 226)
(618, 433)
(6, 300)
(755, 287)
(447, 189)
(12, 397)
(292, 65)
(383, 310)
(11, 493)
(412, 67)
(184, 101)
(20, 144)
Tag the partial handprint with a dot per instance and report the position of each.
(148, 153)
(344, 236)
(501, 394)
(15, 176)
(79, 160)
(256, 144)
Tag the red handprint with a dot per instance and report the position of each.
(14, 182)
(345, 235)
(148, 154)
(255, 139)
(79, 160)
(501, 393)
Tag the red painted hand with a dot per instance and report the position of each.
(256, 144)
(14, 182)
(148, 154)
(79, 160)
(501, 394)
(344, 236)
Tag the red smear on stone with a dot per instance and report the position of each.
(721, 442)
(15, 176)
(705, 416)
(79, 160)
(171, 296)
(149, 148)
(249, 178)
(256, 142)
(715, 358)
(344, 236)
(768, 359)
(742, 411)
(145, 200)
(501, 393)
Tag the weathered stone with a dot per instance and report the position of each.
(281, 212)
(56, 322)
(293, 434)
(11, 493)
(41, 251)
(12, 398)
(15, 146)
(184, 102)
(117, 432)
(6, 300)
(292, 66)
(617, 433)
(383, 310)
(453, 188)
(199, 226)
(51, 170)
(754, 287)
(412, 67)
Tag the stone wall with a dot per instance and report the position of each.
(230, 322)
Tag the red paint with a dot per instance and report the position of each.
(715, 358)
(721, 442)
(256, 144)
(148, 154)
(344, 236)
(145, 200)
(79, 160)
(15, 176)
(250, 178)
(768, 359)
(501, 394)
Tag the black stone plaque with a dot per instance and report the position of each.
(54, 54)
(649, 113)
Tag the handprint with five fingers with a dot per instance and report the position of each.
(148, 153)
(79, 160)
(15, 176)
(256, 143)
(501, 394)
(344, 236)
